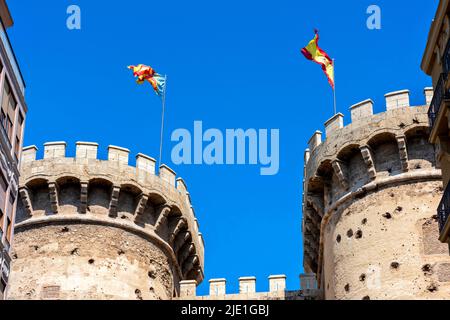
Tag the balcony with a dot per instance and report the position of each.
(446, 59)
(441, 92)
(443, 213)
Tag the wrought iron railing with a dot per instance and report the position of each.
(444, 209)
(440, 93)
(446, 58)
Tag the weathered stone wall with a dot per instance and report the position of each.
(371, 190)
(385, 246)
(81, 261)
(94, 229)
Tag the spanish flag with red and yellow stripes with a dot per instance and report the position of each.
(314, 53)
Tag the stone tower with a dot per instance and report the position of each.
(371, 190)
(93, 229)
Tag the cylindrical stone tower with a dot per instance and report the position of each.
(371, 191)
(93, 229)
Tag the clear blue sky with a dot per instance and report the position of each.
(232, 64)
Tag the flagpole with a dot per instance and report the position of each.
(162, 120)
(334, 89)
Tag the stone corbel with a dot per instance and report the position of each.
(180, 240)
(368, 158)
(84, 196)
(309, 213)
(26, 200)
(180, 225)
(185, 252)
(312, 235)
(403, 152)
(190, 262)
(316, 202)
(114, 201)
(140, 208)
(53, 192)
(163, 214)
(338, 167)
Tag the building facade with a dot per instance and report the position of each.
(436, 63)
(102, 229)
(12, 119)
(369, 206)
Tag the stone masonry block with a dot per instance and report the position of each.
(118, 154)
(167, 174)
(86, 150)
(277, 283)
(29, 154)
(334, 124)
(146, 163)
(188, 289)
(55, 150)
(315, 140)
(181, 186)
(217, 287)
(397, 99)
(361, 110)
(247, 285)
(428, 95)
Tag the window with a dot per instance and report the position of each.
(3, 189)
(2, 285)
(17, 148)
(18, 144)
(9, 127)
(8, 230)
(3, 118)
(9, 105)
(12, 199)
(2, 218)
(11, 202)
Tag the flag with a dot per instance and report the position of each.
(314, 53)
(145, 73)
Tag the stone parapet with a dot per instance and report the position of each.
(247, 290)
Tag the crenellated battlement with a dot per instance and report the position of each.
(362, 114)
(372, 152)
(247, 289)
(85, 189)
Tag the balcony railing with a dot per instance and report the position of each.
(446, 58)
(440, 93)
(444, 209)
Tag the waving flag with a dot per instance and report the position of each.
(145, 73)
(314, 53)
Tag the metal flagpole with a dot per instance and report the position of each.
(162, 121)
(334, 89)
